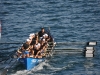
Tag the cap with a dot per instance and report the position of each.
(43, 39)
(27, 40)
(46, 34)
(30, 37)
(32, 34)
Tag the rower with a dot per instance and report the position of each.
(46, 37)
(26, 47)
(43, 50)
(23, 51)
(28, 41)
(25, 54)
(32, 36)
(43, 42)
(36, 48)
(20, 51)
(31, 53)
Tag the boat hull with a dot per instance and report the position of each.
(30, 63)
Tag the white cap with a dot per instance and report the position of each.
(43, 39)
(27, 40)
(30, 37)
(46, 34)
(32, 34)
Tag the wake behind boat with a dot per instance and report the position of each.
(35, 49)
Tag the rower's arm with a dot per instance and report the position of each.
(37, 54)
(19, 51)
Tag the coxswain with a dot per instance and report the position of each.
(42, 32)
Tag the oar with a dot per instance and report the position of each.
(67, 52)
(6, 68)
(4, 72)
(75, 43)
(63, 51)
(49, 42)
(10, 42)
(67, 49)
(59, 43)
(10, 55)
(69, 43)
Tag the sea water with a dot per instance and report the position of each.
(69, 21)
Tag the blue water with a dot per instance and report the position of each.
(69, 20)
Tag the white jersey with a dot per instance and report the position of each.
(37, 45)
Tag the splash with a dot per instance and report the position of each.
(39, 69)
(29, 72)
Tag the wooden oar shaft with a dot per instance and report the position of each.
(66, 49)
(49, 42)
(4, 72)
(76, 43)
(10, 42)
(73, 43)
(68, 52)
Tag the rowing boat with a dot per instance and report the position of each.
(31, 62)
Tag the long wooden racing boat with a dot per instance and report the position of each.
(31, 62)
